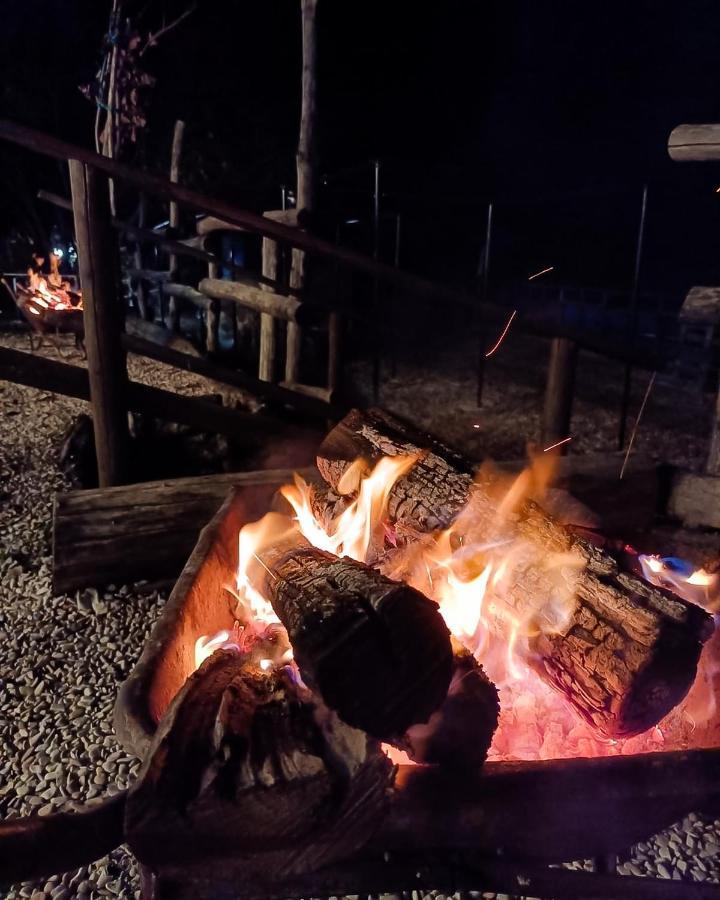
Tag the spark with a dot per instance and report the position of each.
(502, 336)
(541, 272)
(637, 423)
(558, 444)
(476, 426)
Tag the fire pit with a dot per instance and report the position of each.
(607, 730)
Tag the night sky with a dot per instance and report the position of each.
(557, 111)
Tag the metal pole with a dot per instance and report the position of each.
(483, 300)
(393, 310)
(377, 349)
(283, 195)
(627, 382)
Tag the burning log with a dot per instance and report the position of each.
(377, 651)
(458, 735)
(625, 652)
(243, 767)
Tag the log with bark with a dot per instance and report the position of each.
(458, 735)
(247, 768)
(626, 652)
(377, 651)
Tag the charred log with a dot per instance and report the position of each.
(244, 767)
(625, 654)
(458, 735)
(377, 651)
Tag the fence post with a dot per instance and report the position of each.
(104, 320)
(559, 391)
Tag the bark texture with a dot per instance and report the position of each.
(242, 766)
(377, 651)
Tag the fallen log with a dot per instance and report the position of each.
(377, 651)
(626, 652)
(244, 766)
(107, 535)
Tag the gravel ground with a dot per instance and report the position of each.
(65, 656)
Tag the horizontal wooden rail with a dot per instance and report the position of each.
(72, 381)
(273, 393)
(185, 292)
(251, 295)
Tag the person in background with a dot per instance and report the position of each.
(55, 279)
(36, 276)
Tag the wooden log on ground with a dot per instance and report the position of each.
(72, 381)
(40, 846)
(377, 651)
(244, 768)
(145, 531)
(103, 317)
(256, 296)
(625, 653)
(316, 402)
(694, 143)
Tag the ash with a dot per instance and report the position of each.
(64, 657)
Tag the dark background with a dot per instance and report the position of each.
(557, 111)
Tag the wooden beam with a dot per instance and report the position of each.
(311, 401)
(559, 391)
(110, 535)
(55, 199)
(153, 275)
(185, 292)
(104, 321)
(210, 224)
(256, 296)
(695, 143)
(72, 381)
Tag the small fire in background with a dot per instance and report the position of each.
(470, 581)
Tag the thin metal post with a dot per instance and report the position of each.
(633, 311)
(377, 342)
(393, 305)
(283, 196)
(483, 300)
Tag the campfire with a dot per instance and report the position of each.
(477, 570)
(401, 609)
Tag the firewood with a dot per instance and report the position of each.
(626, 653)
(377, 651)
(458, 735)
(245, 766)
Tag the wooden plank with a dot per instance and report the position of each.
(312, 401)
(695, 143)
(141, 531)
(103, 317)
(210, 224)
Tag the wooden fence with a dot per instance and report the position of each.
(277, 294)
